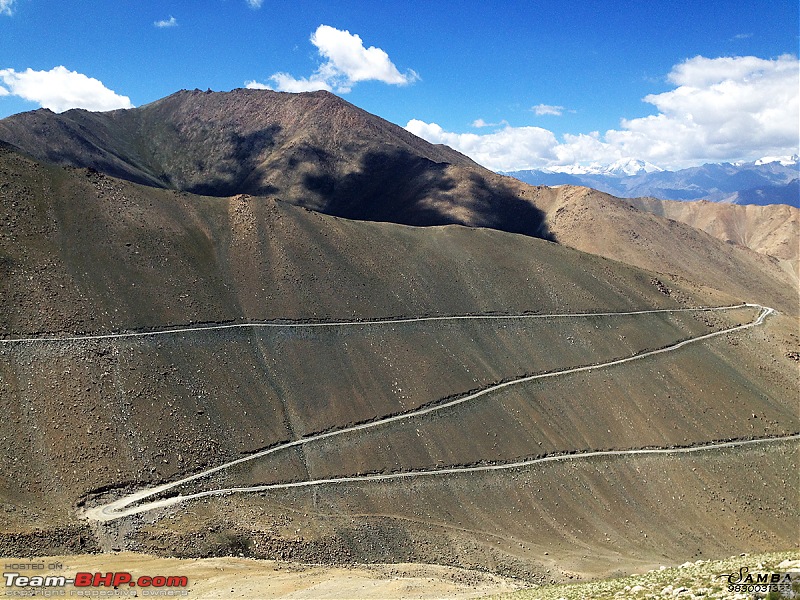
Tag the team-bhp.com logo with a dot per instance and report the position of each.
(121, 582)
(764, 584)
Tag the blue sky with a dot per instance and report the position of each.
(543, 75)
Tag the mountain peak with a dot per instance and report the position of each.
(624, 167)
(312, 148)
(784, 161)
(221, 143)
(631, 166)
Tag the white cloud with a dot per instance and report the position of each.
(502, 150)
(548, 109)
(700, 71)
(721, 109)
(479, 123)
(60, 89)
(585, 148)
(348, 58)
(346, 63)
(171, 22)
(286, 83)
(255, 85)
(283, 82)
(255, 3)
(7, 7)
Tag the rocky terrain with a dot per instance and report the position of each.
(108, 232)
(312, 149)
(772, 230)
(597, 223)
(250, 579)
(698, 579)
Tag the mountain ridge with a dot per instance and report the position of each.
(760, 182)
(766, 229)
(320, 152)
(312, 149)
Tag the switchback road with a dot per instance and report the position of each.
(121, 508)
(124, 506)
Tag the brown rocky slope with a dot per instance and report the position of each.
(773, 229)
(320, 152)
(84, 252)
(598, 223)
(312, 149)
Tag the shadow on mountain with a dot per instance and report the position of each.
(401, 187)
(501, 208)
(236, 170)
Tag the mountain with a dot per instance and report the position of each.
(773, 230)
(598, 223)
(771, 180)
(317, 151)
(194, 330)
(311, 149)
(620, 168)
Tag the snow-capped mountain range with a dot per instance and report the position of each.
(620, 168)
(768, 180)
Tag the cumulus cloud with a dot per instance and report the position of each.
(255, 3)
(60, 89)
(286, 83)
(347, 58)
(548, 109)
(721, 109)
(171, 22)
(346, 62)
(502, 150)
(7, 7)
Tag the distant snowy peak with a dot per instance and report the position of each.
(769, 180)
(625, 167)
(785, 161)
(632, 166)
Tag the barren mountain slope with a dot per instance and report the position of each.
(312, 149)
(595, 222)
(318, 151)
(772, 229)
(84, 252)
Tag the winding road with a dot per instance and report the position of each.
(124, 506)
(359, 323)
(121, 508)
